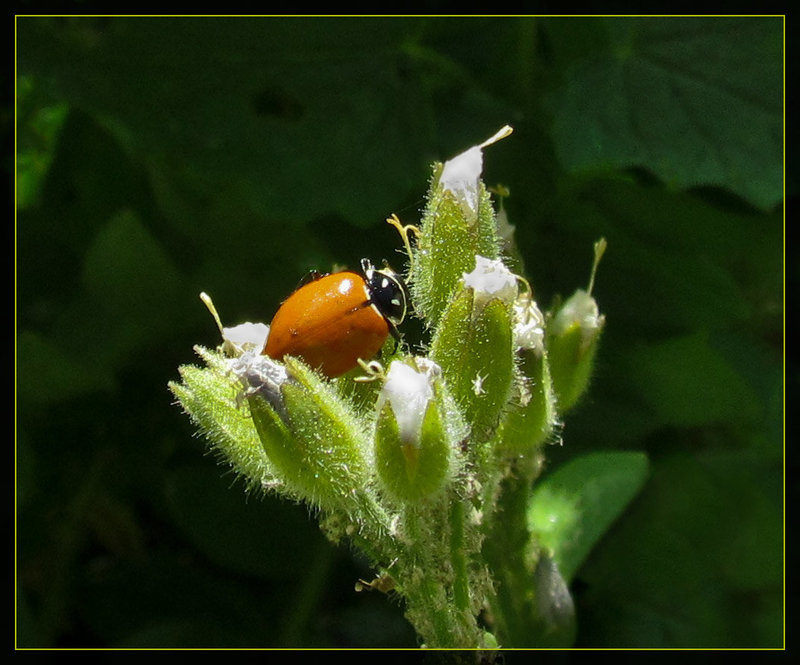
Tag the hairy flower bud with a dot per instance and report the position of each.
(412, 448)
(459, 223)
(531, 417)
(474, 344)
(572, 338)
(314, 439)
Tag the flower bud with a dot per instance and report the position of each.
(571, 341)
(473, 344)
(210, 397)
(412, 448)
(461, 176)
(531, 417)
(313, 438)
(572, 338)
(458, 223)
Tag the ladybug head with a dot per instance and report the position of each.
(388, 291)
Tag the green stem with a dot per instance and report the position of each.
(458, 557)
(505, 550)
(434, 575)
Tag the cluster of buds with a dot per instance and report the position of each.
(407, 456)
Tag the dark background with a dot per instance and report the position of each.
(157, 158)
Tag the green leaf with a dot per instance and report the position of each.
(39, 123)
(241, 107)
(698, 561)
(54, 373)
(698, 101)
(570, 509)
(129, 273)
(236, 531)
(687, 382)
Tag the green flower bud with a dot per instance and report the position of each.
(311, 436)
(413, 452)
(474, 344)
(210, 398)
(458, 224)
(531, 418)
(572, 338)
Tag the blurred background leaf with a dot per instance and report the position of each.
(160, 157)
(574, 506)
(673, 96)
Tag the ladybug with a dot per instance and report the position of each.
(337, 319)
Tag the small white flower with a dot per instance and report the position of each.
(491, 279)
(461, 174)
(581, 310)
(238, 339)
(246, 337)
(408, 392)
(528, 325)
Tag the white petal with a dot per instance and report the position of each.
(461, 176)
(247, 336)
(491, 279)
(409, 392)
(529, 325)
(580, 308)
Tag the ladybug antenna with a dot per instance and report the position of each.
(367, 267)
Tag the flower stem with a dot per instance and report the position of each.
(506, 552)
(458, 557)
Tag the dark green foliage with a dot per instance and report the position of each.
(160, 157)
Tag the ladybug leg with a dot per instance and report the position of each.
(310, 276)
(394, 332)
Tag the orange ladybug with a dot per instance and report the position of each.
(334, 320)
